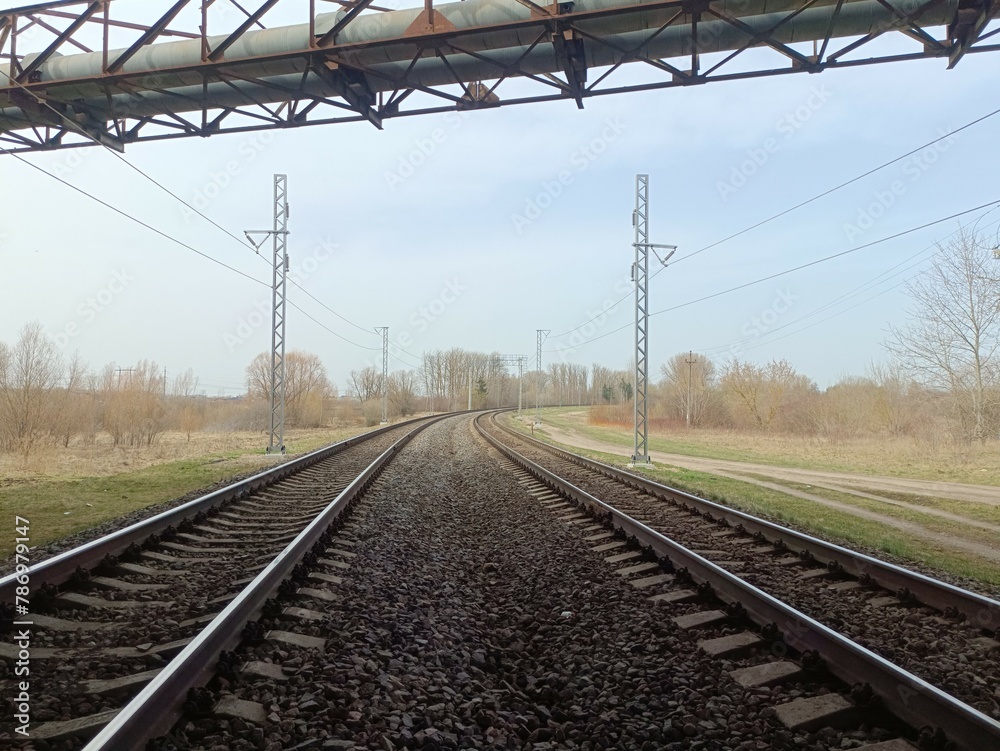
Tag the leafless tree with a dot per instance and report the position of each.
(953, 339)
(306, 385)
(71, 405)
(761, 391)
(133, 408)
(185, 384)
(402, 392)
(688, 386)
(29, 374)
(366, 384)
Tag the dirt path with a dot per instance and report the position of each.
(843, 481)
(829, 480)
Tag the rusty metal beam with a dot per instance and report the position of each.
(151, 34)
(970, 21)
(338, 27)
(67, 34)
(216, 54)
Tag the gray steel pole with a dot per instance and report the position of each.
(276, 441)
(384, 331)
(541, 334)
(279, 278)
(640, 275)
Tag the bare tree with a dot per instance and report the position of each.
(70, 413)
(29, 373)
(185, 384)
(403, 392)
(688, 385)
(306, 385)
(953, 340)
(890, 410)
(259, 376)
(366, 384)
(761, 391)
(133, 403)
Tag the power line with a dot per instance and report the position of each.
(323, 304)
(843, 298)
(243, 244)
(793, 269)
(138, 221)
(838, 187)
(76, 127)
(327, 328)
(790, 210)
(827, 258)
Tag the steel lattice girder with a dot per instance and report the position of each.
(175, 79)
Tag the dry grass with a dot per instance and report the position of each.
(897, 456)
(66, 491)
(839, 526)
(101, 459)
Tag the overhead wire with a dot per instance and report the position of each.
(850, 294)
(834, 189)
(134, 219)
(790, 210)
(242, 242)
(843, 298)
(792, 270)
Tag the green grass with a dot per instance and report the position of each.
(928, 521)
(63, 506)
(830, 524)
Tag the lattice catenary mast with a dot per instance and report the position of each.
(384, 331)
(542, 335)
(640, 275)
(279, 277)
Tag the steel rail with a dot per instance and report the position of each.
(909, 698)
(980, 610)
(59, 568)
(155, 709)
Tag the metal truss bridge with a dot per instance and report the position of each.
(76, 72)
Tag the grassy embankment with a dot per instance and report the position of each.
(68, 491)
(894, 457)
(832, 524)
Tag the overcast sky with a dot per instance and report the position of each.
(473, 231)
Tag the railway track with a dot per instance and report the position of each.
(924, 648)
(457, 598)
(149, 608)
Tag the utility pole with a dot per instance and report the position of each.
(520, 383)
(279, 236)
(542, 335)
(518, 360)
(125, 370)
(640, 275)
(470, 389)
(690, 362)
(164, 383)
(384, 331)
